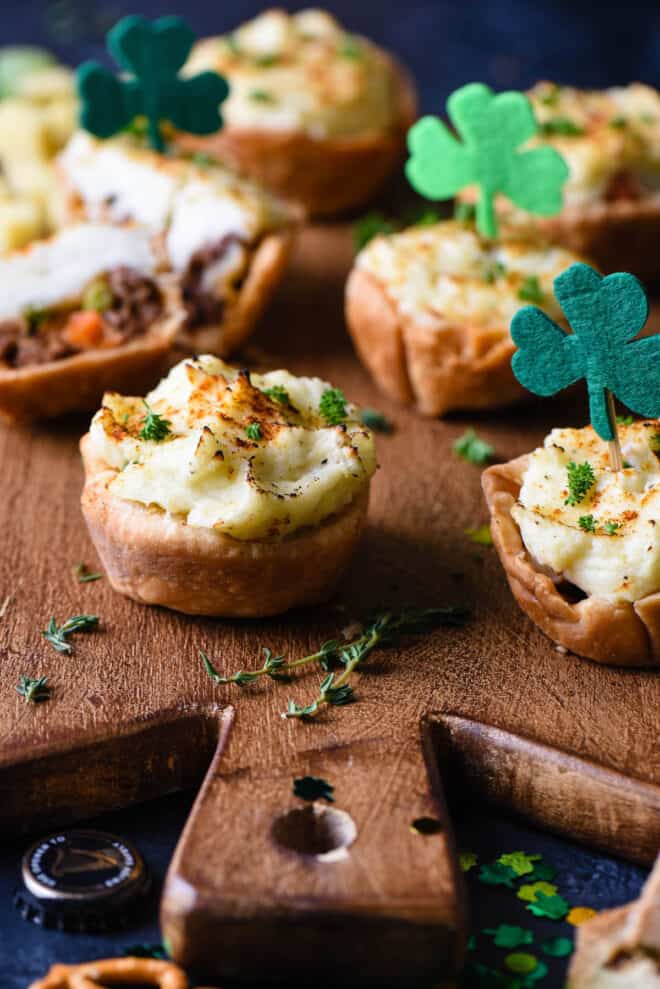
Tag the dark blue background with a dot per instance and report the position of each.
(507, 43)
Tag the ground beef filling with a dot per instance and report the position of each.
(135, 303)
(202, 304)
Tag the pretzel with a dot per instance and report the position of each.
(114, 972)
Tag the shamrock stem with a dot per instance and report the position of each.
(486, 218)
(155, 135)
(614, 446)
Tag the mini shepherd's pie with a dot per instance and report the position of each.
(225, 239)
(315, 113)
(80, 313)
(581, 543)
(429, 312)
(610, 140)
(225, 492)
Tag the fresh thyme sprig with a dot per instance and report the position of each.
(154, 426)
(335, 689)
(58, 635)
(581, 479)
(33, 691)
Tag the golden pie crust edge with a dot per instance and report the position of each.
(614, 633)
(435, 363)
(156, 558)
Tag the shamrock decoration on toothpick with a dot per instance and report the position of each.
(151, 55)
(605, 314)
(492, 128)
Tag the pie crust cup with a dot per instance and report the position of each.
(77, 383)
(156, 558)
(615, 633)
(266, 269)
(618, 236)
(435, 363)
(325, 176)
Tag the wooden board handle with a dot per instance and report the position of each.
(262, 887)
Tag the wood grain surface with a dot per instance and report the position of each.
(494, 705)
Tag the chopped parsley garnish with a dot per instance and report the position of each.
(202, 159)
(278, 394)
(350, 47)
(98, 296)
(261, 96)
(581, 480)
(654, 442)
(333, 406)
(265, 61)
(611, 528)
(530, 290)
(373, 419)
(33, 691)
(426, 219)
(587, 523)
(232, 44)
(58, 635)
(550, 96)
(494, 271)
(563, 126)
(313, 788)
(618, 122)
(625, 420)
(154, 426)
(253, 431)
(472, 448)
(369, 226)
(647, 118)
(465, 212)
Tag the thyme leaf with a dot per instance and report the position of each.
(253, 431)
(581, 479)
(58, 635)
(33, 691)
(333, 406)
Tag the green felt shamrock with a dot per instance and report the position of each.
(605, 314)
(467, 860)
(509, 936)
(150, 55)
(492, 128)
(521, 863)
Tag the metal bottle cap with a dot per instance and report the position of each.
(82, 881)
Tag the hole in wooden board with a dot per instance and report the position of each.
(322, 832)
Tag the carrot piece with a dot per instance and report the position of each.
(84, 329)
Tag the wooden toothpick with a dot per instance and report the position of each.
(614, 446)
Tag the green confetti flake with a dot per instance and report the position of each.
(557, 947)
(521, 963)
(497, 875)
(157, 951)
(531, 891)
(553, 907)
(509, 936)
(471, 943)
(521, 863)
(375, 420)
(467, 860)
(539, 973)
(543, 872)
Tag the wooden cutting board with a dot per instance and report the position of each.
(492, 709)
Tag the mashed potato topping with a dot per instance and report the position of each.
(448, 270)
(301, 72)
(608, 544)
(248, 455)
(609, 138)
(191, 202)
